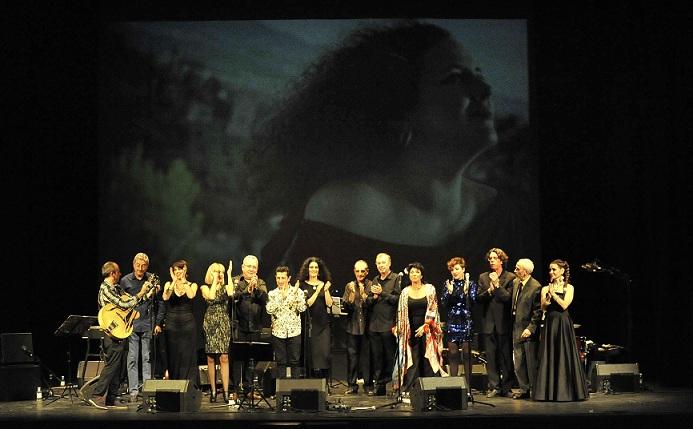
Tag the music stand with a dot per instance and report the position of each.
(336, 311)
(74, 325)
(252, 351)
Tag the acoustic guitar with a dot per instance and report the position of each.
(118, 322)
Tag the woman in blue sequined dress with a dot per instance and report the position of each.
(459, 295)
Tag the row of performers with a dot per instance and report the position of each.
(401, 325)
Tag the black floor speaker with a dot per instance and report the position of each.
(439, 393)
(266, 372)
(479, 379)
(19, 382)
(172, 395)
(16, 347)
(308, 394)
(614, 377)
(203, 373)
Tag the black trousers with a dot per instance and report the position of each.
(421, 367)
(109, 379)
(287, 353)
(499, 361)
(383, 347)
(358, 360)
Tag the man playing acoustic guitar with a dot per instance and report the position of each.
(104, 390)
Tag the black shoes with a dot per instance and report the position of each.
(98, 402)
(496, 392)
(378, 391)
(521, 395)
(213, 396)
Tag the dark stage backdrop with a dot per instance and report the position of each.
(606, 107)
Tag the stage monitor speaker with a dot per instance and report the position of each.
(308, 394)
(92, 370)
(203, 371)
(16, 347)
(19, 382)
(479, 379)
(615, 377)
(266, 371)
(172, 395)
(439, 393)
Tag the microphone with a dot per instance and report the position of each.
(400, 274)
(28, 352)
(592, 266)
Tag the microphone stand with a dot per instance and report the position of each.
(306, 339)
(597, 267)
(153, 307)
(399, 399)
(52, 375)
(470, 365)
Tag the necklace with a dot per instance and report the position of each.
(180, 288)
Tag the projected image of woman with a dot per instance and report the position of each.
(385, 130)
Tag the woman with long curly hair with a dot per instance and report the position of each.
(315, 280)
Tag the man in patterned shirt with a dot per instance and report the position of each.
(104, 390)
(285, 304)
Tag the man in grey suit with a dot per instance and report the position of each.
(526, 317)
(495, 290)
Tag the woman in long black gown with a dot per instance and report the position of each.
(181, 329)
(314, 280)
(560, 376)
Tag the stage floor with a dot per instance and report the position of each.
(661, 407)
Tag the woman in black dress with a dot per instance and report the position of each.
(181, 329)
(314, 279)
(419, 336)
(560, 376)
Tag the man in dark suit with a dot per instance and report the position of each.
(526, 316)
(495, 291)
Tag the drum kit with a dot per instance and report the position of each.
(584, 346)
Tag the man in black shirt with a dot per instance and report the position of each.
(382, 308)
(249, 300)
(358, 349)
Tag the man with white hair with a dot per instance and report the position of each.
(248, 311)
(144, 328)
(526, 316)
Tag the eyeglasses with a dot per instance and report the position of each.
(360, 271)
